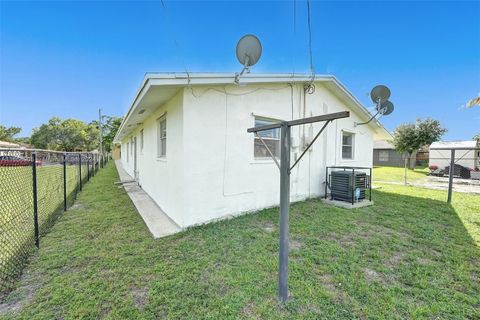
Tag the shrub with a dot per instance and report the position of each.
(433, 167)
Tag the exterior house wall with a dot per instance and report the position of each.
(161, 178)
(395, 159)
(210, 171)
(224, 178)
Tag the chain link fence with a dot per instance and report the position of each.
(36, 186)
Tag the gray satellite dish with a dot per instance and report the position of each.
(249, 50)
(380, 94)
(386, 108)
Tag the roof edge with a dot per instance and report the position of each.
(183, 79)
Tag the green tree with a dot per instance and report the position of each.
(429, 131)
(66, 135)
(8, 133)
(92, 133)
(409, 137)
(110, 129)
(405, 138)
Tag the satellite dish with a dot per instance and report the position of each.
(380, 94)
(249, 50)
(386, 108)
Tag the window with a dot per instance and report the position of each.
(141, 140)
(162, 137)
(347, 145)
(270, 137)
(131, 143)
(383, 155)
(128, 151)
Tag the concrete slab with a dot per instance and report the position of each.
(348, 205)
(157, 221)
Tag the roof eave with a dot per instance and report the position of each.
(185, 79)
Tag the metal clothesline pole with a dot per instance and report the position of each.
(285, 170)
(450, 175)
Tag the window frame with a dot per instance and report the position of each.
(132, 149)
(383, 159)
(255, 138)
(161, 148)
(352, 145)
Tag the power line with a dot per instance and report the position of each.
(312, 69)
(175, 41)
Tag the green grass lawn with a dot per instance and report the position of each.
(396, 174)
(16, 211)
(409, 256)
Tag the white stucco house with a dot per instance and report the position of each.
(185, 141)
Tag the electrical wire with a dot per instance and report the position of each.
(175, 41)
(310, 87)
(234, 94)
(294, 34)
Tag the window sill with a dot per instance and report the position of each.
(162, 159)
(263, 161)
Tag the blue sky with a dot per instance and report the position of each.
(68, 58)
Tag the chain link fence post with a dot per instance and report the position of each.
(64, 182)
(80, 169)
(35, 199)
(88, 167)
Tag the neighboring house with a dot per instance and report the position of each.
(185, 140)
(9, 145)
(423, 156)
(466, 158)
(384, 154)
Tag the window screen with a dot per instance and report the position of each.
(347, 145)
(270, 137)
(162, 137)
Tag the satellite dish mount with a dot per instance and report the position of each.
(249, 50)
(384, 107)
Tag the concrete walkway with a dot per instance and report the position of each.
(157, 221)
(439, 185)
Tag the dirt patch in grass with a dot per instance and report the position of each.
(395, 260)
(369, 230)
(140, 297)
(334, 289)
(77, 206)
(248, 311)
(424, 261)
(268, 227)
(21, 296)
(372, 275)
(294, 245)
